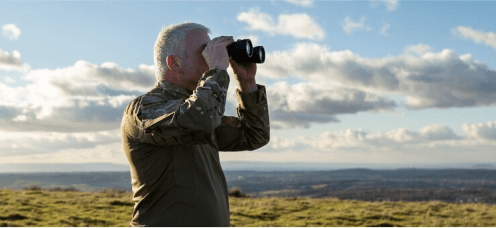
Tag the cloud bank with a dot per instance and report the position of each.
(431, 80)
(430, 144)
(78, 98)
(302, 104)
(429, 140)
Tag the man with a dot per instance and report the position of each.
(173, 134)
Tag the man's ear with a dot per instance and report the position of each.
(173, 62)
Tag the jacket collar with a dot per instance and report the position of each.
(173, 88)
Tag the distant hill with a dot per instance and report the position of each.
(233, 165)
(83, 181)
(319, 166)
(484, 166)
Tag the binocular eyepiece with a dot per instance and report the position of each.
(243, 51)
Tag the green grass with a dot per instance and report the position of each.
(114, 208)
(335, 212)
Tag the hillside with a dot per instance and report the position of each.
(113, 208)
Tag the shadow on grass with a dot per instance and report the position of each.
(385, 224)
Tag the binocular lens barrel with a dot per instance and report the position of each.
(249, 48)
(243, 51)
(258, 55)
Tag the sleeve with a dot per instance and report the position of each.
(185, 121)
(251, 129)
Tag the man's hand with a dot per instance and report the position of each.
(215, 53)
(245, 75)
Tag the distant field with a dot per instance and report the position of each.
(113, 208)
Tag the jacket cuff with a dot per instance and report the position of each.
(220, 76)
(247, 100)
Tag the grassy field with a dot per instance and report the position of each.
(113, 208)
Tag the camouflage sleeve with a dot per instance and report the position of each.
(251, 129)
(186, 121)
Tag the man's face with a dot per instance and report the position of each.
(193, 65)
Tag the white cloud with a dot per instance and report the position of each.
(11, 61)
(432, 80)
(481, 130)
(349, 26)
(418, 49)
(438, 132)
(296, 25)
(363, 139)
(391, 5)
(304, 3)
(488, 38)
(385, 29)
(11, 31)
(400, 137)
(292, 143)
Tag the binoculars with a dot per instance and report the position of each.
(243, 51)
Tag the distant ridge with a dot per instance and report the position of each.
(315, 166)
(484, 165)
(235, 165)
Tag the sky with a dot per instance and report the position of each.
(376, 82)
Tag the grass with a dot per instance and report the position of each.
(37, 207)
(335, 212)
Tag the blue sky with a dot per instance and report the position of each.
(393, 82)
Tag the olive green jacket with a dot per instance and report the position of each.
(172, 138)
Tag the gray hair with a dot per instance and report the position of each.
(170, 41)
